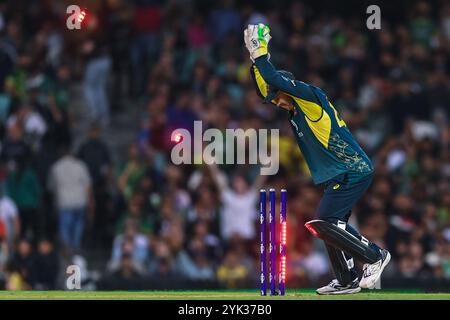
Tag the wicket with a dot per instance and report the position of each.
(272, 243)
(262, 220)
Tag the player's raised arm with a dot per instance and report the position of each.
(265, 75)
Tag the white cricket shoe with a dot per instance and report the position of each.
(334, 287)
(372, 272)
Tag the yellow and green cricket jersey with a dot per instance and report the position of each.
(322, 135)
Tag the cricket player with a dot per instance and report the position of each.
(335, 160)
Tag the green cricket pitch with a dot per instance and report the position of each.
(304, 294)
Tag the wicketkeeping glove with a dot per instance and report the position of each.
(256, 38)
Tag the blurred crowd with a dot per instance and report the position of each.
(173, 62)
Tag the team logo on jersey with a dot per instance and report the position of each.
(336, 186)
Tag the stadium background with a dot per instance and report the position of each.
(96, 106)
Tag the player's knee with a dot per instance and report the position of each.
(331, 216)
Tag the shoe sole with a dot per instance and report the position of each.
(373, 283)
(346, 291)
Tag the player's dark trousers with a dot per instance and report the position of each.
(340, 195)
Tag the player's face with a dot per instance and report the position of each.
(284, 101)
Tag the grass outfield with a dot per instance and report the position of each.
(306, 294)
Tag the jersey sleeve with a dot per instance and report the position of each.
(274, 79)
(265, 75)
(260, 83)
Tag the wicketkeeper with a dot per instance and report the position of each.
(334, 158)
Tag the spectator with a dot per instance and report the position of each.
(135, 214)
(98, 65)
(144, 47)
(14, 148)
(32, 122)
(126, 278)
(313, 263)
(95, 153)
(204, 209)
(14, 279)
(202, 235)
(239, 202)
(4, 252)
(46, 266)
(23, 187)
(9, 217)
(162, 264)
(22, 268)
(225, 20)
(70, 183)
(132, 243)
(58, 107)
(201, 268)
(231, 273)
(131, 172)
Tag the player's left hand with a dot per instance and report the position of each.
(256, 38)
